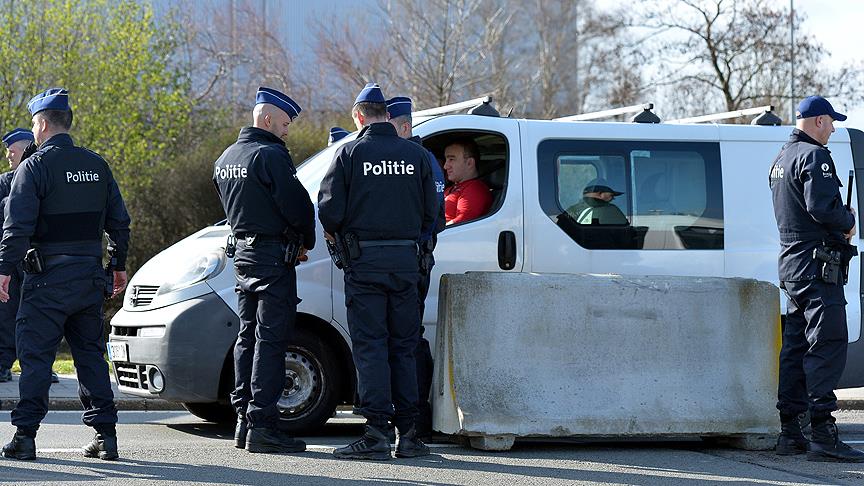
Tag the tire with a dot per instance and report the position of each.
(312, 384)
(216, 412)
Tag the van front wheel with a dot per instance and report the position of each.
(312, 384)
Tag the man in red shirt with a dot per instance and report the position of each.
(469, 197)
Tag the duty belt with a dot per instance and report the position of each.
(792, 236)
(368, 243)
(59, 259)
(257, 237)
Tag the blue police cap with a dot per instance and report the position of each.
(279, 100)
(399, 106)
(17, 135)
(50, 99)
(370, 94)
(336, 134)
(815, 106)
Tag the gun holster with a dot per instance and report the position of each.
(109, 273)
(425, 257)
(33, 262)
(352, 246)
(834, 261)
(335, 254)
(292, 252)
(231, 246)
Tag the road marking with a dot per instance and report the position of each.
(854, 441)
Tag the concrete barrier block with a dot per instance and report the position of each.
(605, 356)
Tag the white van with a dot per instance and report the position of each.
(696, 197)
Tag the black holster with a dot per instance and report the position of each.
(109, 273)
(33, 262)
(231, 246)
(292, 252)
(425, 257)
(834, 258)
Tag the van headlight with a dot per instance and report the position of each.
(193, 271)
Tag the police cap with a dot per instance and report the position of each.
(50, 99)
(279, 100)
(336, 134)
(399, 106)
(815, 106)
(17, 135)
(371, 93)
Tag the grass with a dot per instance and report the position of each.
(63, 365)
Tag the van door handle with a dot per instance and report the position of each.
(507, 250)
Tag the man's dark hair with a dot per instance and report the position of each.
(469, 146)
(371, 110)
(58, 118)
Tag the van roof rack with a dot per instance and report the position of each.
(726, 115)
(453, 108)
(639, 109)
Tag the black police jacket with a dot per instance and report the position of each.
(257, 184)
(808, 206)
(379, 187)
(62, 199)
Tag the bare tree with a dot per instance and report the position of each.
(738, 50)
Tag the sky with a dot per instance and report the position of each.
(837, 25)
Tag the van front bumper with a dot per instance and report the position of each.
(198, 336)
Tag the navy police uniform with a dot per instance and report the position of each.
(63, 199)
(380, 190)
(810, 214)
(10, 309)
(397, 107)
(267, 208)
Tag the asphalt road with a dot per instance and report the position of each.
(177, 448)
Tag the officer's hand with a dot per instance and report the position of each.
(303, 257)
(851, 232)
(329, 237)
(4, 288)
(120, 280)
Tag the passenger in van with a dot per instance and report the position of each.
(596, 205)
(469, 197)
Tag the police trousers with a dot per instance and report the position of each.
(813, 355)
(8, 313)
(267, 304)
(384, 322)
(63, 301)
(423, 358)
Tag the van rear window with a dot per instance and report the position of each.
(634, 194)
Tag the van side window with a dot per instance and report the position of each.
(634, 194)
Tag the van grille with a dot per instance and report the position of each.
(142, 295)
(131, 375)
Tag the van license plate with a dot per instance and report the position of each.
(117, 352)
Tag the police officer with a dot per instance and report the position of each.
(63, 199)
(399, 109)
(336, 134)
(813, 222)
(17, 142)
(273, 221)
(376, 199)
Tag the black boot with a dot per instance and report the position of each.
(826, 446)
(103, 446)
(373, 446)
(240, 431)
(791, 440)
(264, 439)
(409, 445)
(21, 447)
